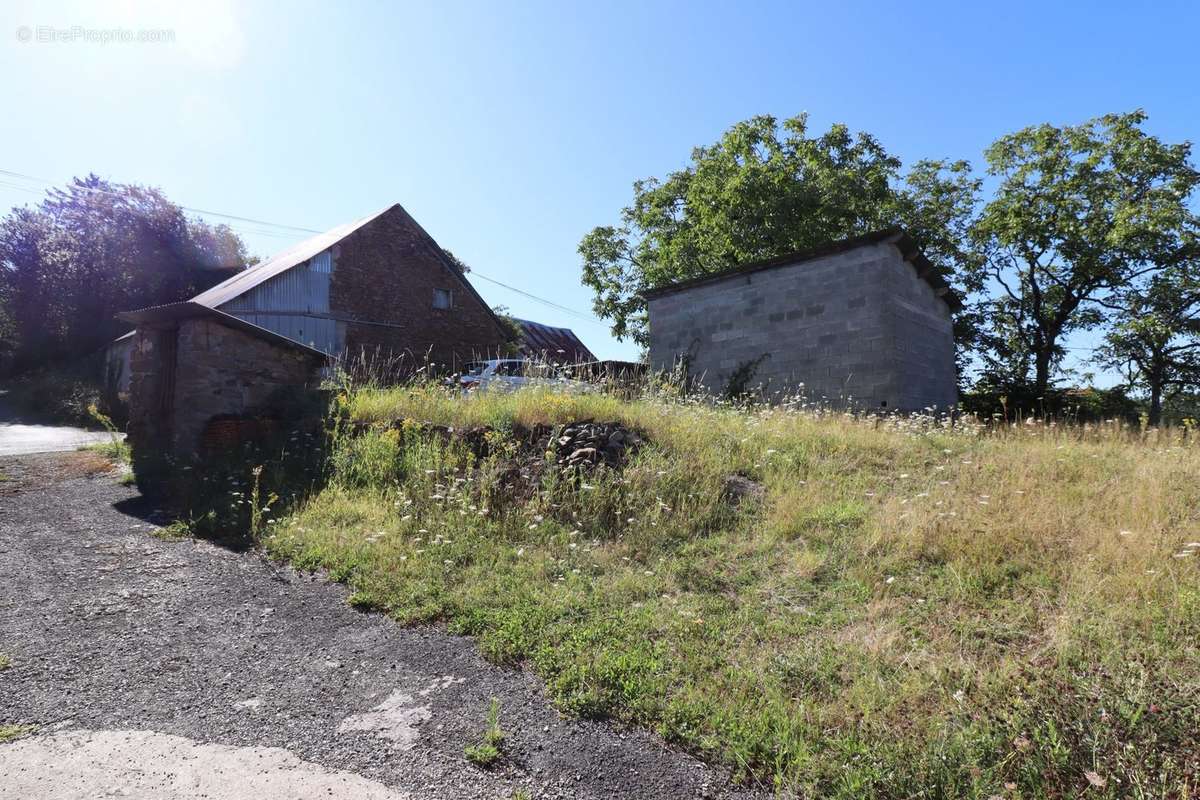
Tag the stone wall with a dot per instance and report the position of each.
(386, 272)
(151, 395)
(853, 328)
(222, 370)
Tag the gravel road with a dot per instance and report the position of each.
(158, 669)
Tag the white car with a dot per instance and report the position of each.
(509, 374)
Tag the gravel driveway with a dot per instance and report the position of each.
(160, 669)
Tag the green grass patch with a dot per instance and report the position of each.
(115, 450)
(174, 532)
(9, 733)
(911, 610)
(490, 748)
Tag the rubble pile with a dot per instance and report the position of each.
(581, 445)
(588, 444)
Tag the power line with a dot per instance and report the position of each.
(580, 315)
(255, 231)
(219, 214)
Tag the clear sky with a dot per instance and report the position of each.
(511, 129)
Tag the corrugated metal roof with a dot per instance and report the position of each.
(244, 282)
(559, 345)
(228, 289)
(173, 312)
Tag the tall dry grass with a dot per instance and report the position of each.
(914, 608)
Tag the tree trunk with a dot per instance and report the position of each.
(1156, 392)
(1041, 380)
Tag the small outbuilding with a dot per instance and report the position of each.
(863, 323)
(190, 364)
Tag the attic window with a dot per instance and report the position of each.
(443, 298)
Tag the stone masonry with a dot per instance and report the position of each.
(185, 375)
(226, 371)
(386, 275)
(857, 327)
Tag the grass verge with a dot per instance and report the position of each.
(908, 610)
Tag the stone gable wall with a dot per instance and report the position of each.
(151, 395)
(386, 272)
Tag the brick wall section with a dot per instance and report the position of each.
(855, 328)
(386, 272)
(222, 370)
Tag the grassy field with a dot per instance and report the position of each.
(906, 611)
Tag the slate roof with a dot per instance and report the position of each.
(897, 236)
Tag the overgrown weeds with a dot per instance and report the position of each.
(908, 608)
(489, 749)
(175, 531)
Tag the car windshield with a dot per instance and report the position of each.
(475, 368)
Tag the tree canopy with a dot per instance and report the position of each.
(91, 250)
(767, 189)
(1081, 212)
(1084, 226)
(1155, 340)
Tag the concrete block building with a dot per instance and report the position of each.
(862, 323)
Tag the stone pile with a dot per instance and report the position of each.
(588, 444)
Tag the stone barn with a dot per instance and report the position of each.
(379, 287)
(862, 323)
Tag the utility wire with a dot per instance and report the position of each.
(219, 214)
(580, 315)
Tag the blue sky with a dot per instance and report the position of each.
(511, 129)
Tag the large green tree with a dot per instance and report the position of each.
(1155, 339)
(766, 189)
(91, 250)
(1080, 213)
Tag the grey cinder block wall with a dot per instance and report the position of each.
(864, 323)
